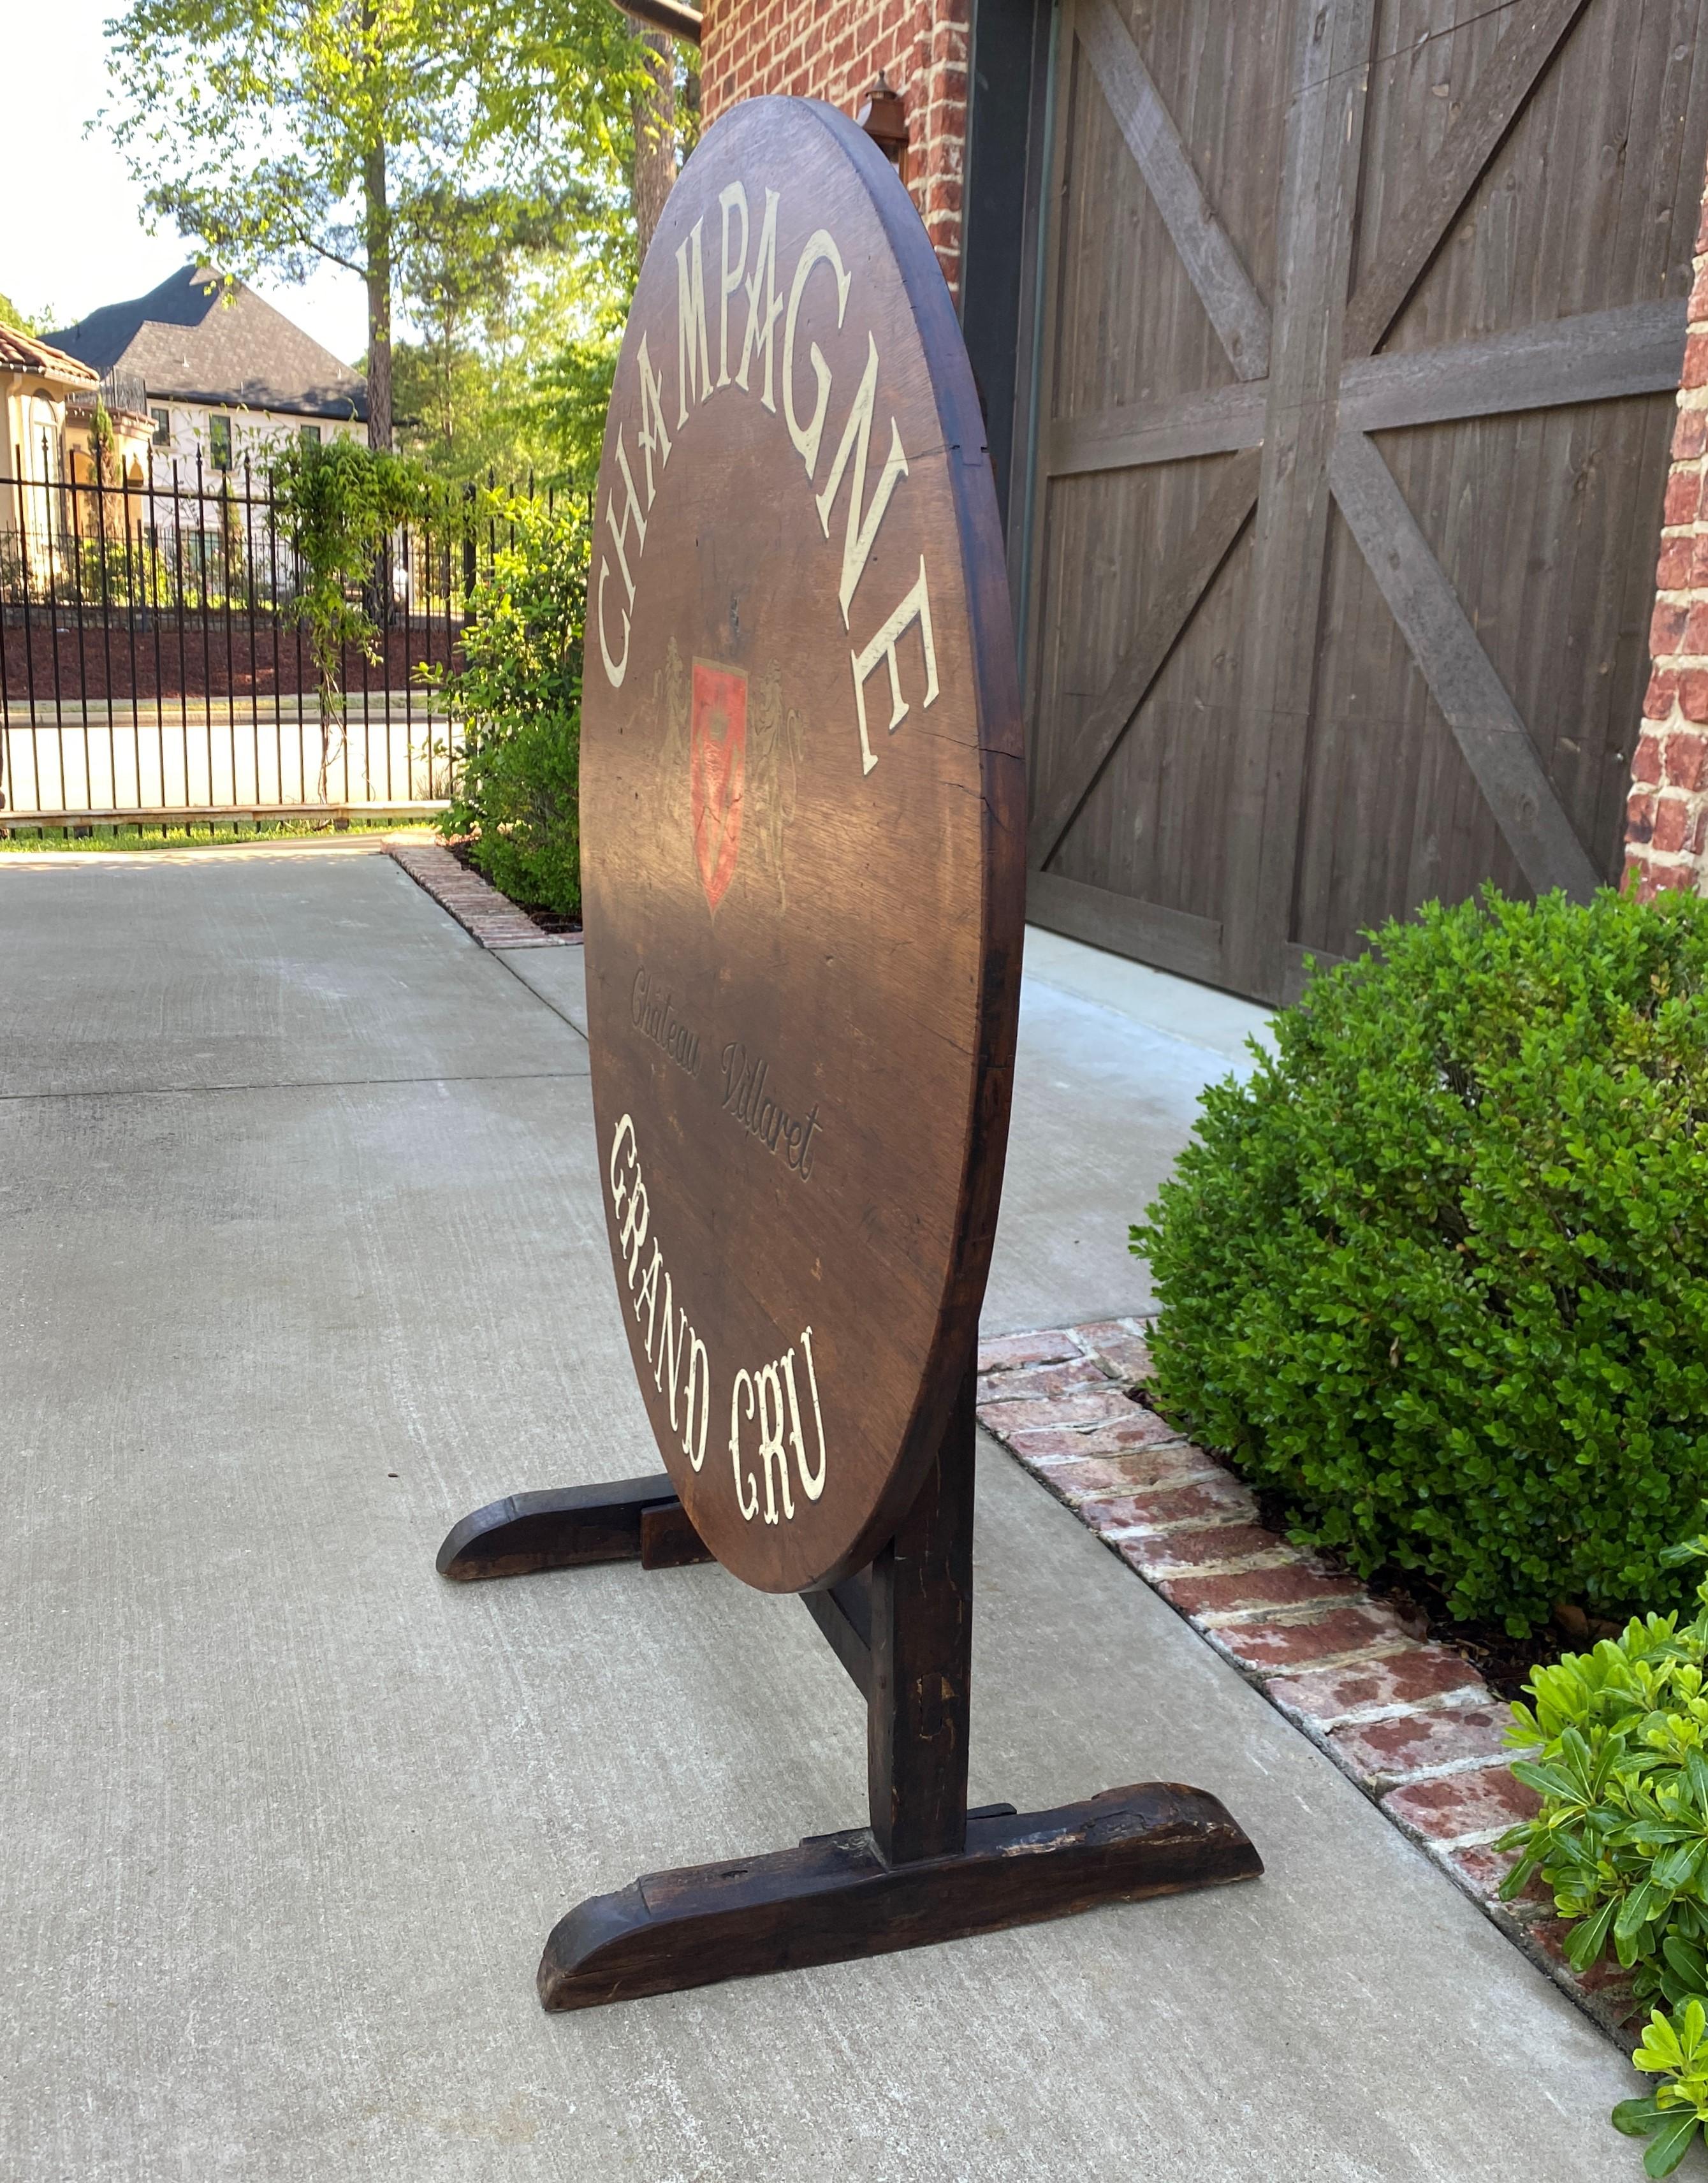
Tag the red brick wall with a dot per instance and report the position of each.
(832, 49)
(1666, 820)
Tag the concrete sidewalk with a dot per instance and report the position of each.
(300, 1257)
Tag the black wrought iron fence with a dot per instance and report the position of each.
(152, 660)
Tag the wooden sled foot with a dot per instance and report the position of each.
(636, 1520)
(834, 1899)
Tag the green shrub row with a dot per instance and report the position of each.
(1437, 1272)
(518, 702)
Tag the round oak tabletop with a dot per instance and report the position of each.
(803, 844)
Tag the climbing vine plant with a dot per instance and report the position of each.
(339, 507)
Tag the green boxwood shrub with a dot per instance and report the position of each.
(1437, 1272)
(517, 793)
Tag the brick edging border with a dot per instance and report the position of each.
(1411, 1721)
(488, 917)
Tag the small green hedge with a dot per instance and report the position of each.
(1620, 1841)
(1439, 1271)
(519, 702)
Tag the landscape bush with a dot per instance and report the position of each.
(1437, 1272)
(516, 791)
(1621, 1841)
(337, 506)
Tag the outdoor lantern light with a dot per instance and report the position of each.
(885, 122)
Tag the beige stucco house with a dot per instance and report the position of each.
(71, 446)
(226, 379)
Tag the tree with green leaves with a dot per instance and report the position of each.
(575, 356)
(570, 394)
(24, 321)
(286, 134)
(510, 375)
(462, 275)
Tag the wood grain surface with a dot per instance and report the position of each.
(1360, 325)
(835, 1899)
(803, 836)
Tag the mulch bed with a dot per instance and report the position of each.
(1504, 1662)
(203, 655)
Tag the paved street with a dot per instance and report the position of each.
(302, 1257)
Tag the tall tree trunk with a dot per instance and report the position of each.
(655, 137)
(378, 224)
(447, 417)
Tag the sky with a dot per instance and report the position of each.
(76, 238)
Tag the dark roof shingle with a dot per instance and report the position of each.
(197, 339)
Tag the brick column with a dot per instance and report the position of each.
(934, 173)
(833, 49)
(1666, 817)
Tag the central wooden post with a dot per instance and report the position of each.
(921, 1657)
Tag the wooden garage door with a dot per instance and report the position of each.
(1360, 321)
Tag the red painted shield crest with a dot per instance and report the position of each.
(717, 773)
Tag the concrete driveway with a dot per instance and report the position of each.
(300, 1258)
